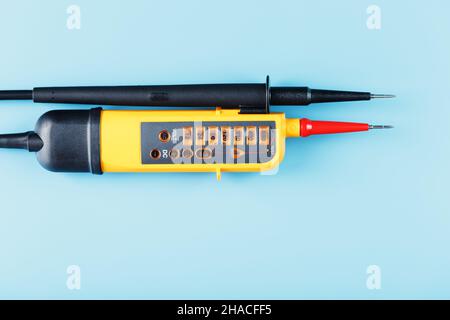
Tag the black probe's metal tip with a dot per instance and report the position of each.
(379, 127)
(381, 96)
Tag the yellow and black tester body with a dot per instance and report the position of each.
(217, 141)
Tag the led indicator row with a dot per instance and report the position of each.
(226, 135)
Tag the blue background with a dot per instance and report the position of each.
(337, 204)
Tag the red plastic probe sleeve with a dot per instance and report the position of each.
(310, 127)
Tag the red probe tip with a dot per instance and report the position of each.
(310, 127)
(372, 126)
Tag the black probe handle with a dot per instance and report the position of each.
(203, 95)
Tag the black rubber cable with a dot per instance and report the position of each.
(28, 140)
(16, 94)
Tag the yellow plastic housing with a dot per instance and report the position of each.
(120, 139)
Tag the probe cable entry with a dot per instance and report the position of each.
(27, 140)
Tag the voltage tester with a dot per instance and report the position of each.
(240, 134)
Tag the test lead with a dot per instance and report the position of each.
(310, 127)
(247, 97)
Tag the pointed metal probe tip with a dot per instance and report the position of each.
(380, 127)
(382, 96)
